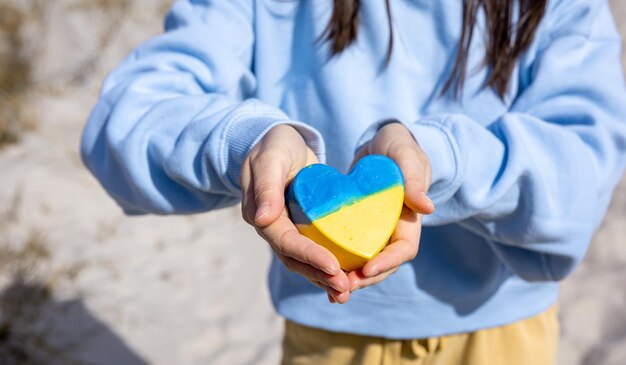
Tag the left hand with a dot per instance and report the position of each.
(396, 142)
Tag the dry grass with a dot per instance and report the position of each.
(15, 70)
(20, 48)
(18, 52)
(111, 13)
(99, 5)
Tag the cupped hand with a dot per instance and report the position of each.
(268, 169)
(396, 142)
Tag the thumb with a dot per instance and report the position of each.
(416, 179)
(269, 177)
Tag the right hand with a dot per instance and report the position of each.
(269, 168)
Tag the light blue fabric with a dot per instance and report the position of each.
(520, 184)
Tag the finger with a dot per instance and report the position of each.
(333, 295)
(413, 165)
(269, 175)
(285, 239)
(338, 282)
(248, 203)
(391, 257)
(403, 247)
(359, 281)
(311, 158)
(395, 141)
(340, 297)
(360, 153)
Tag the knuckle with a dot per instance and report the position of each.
(398, 257)
(410, 252)
(331, 282)
(305, 253)
(369, 282)
(264, 189)
(413, 182)
(283, 242)
(269, 157)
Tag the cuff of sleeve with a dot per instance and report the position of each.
(244, 133)
(437, 141)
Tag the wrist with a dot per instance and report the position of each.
(374, 129)
(395, 126)
(289, 132)
(311, 138)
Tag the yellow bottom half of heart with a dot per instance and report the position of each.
(358, 232)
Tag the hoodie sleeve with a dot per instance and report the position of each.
(177, 118)
(537, 181)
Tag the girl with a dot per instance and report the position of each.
(508, 113)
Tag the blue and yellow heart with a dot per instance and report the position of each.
(353, 215)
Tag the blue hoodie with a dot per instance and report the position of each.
(520, 183)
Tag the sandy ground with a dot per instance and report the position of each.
(82, 284)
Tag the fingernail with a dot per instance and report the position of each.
(428, 200)
(262, 211)
(338, 302)
(340, 287)
(373, 272)
(330, 270)
(331, 299)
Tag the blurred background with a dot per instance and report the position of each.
(82, 284)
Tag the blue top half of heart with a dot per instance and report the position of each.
(320, 190)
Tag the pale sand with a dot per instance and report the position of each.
(180, 290)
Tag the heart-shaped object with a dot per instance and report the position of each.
(351, 215)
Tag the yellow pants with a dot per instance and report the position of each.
(532, 341)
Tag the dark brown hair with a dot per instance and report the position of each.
(506, 40)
